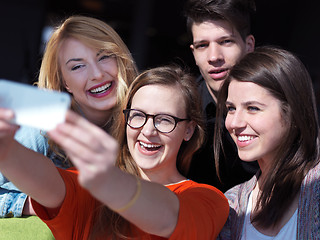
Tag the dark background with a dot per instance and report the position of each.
(154, 30)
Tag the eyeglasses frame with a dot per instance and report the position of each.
(176, 119)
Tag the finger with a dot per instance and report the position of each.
(82, 130)
(7, 128)
(6, 114)
(86, 145)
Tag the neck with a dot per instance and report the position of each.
(100, 118)
(212, 92)
(164, 178)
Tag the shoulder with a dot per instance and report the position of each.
(205, 197)
(238, 195)
(203, 210)
(33, 139)
(314, 172)
(190, 187)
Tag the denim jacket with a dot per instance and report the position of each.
(11, 198)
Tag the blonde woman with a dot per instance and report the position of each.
(86, 58)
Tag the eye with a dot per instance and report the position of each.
(164, 119)
(253, 109)
(106, 57)
(136, 114)
(230, 108)
(76, 67)
(201, 45)
(227, 41)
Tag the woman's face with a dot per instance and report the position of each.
(153, 151)
(90, 75)
(254, 121)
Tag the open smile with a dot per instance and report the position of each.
(101, 89)
(149, 147)
(244, 140)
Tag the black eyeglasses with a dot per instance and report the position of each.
(164, 123)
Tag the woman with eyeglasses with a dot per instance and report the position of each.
(133, 188)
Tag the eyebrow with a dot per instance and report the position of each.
(74, 59)
(100, 51)
(220, 38)
(80, 59)
(201, 41)
(247, 103)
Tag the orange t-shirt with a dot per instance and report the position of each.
(202, 214)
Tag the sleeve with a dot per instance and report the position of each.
(202, 214)
(33, 139)
(75, 213)
(230, 229)
(11, 198)
(11, 201)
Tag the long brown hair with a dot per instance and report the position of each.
(286, 78)
(108, 223)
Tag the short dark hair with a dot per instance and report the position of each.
(237, 12)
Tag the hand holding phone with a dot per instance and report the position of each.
(34, 107)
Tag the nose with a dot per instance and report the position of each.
(235, 121)
(148, 129)
(214, 53)
(96, 72)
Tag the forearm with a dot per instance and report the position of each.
(155, 210)
(94, 154)
(34, 175)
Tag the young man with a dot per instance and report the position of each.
(221, 36)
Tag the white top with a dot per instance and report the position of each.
(288, 232)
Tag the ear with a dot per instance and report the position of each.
(192, 47)
(250, 43)
(192, 50)
(189, 130)
(67, 88)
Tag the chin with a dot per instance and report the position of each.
(247, 158)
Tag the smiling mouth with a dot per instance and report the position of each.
(245, 138)
(149, 147)
(101, 89)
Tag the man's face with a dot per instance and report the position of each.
(216, 48)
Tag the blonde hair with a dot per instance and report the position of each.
(94, 33)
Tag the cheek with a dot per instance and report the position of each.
(131, 137)
(233, 56)
(111, 68)
(199, 58)
(279, 133)
(227, 123)
(72, 83)
(174, 144)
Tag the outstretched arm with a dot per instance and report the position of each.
(155, 209)
(31, 172)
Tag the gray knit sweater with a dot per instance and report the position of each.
(308, 208)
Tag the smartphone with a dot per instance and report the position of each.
(34, 107)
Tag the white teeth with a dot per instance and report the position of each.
(245, 138)
(100, 89)
(149, 145)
